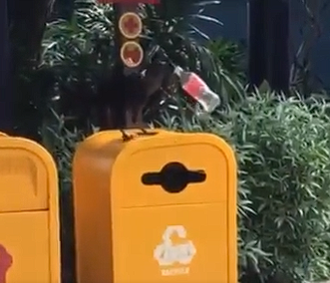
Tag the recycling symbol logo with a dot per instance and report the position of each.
(168, 253)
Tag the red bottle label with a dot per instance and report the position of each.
(194, 86)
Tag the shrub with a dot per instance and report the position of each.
(288, 176)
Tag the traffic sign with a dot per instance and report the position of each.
(131, 53)
(130, 25)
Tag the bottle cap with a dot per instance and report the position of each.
(178, 71)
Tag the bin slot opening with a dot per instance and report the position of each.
(173, 177)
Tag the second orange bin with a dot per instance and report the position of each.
(157, 208)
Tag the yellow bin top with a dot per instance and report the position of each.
(3, 134)
(197, 151)
(28, 176)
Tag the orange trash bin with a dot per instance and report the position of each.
(29, 223)
(157, 208)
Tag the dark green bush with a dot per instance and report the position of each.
(288, 175)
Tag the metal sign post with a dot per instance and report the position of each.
(130, 28)
(129, 55)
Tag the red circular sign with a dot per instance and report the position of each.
(130, 25)
(131, 53)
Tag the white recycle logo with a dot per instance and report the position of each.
(168, 254)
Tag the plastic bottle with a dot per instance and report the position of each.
(195, 87)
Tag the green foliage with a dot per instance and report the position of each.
(78, 52)
(231, 56)
(290, 193)
(232, 65)
(288, 174)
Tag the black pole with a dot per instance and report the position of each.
(6, 97)
(268, 36)
(256, 42)
(123, 95)
(277, 34)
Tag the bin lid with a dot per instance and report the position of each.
(26, 170)
(199, 154)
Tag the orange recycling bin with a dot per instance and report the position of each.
(157, 208)
(29, 223)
